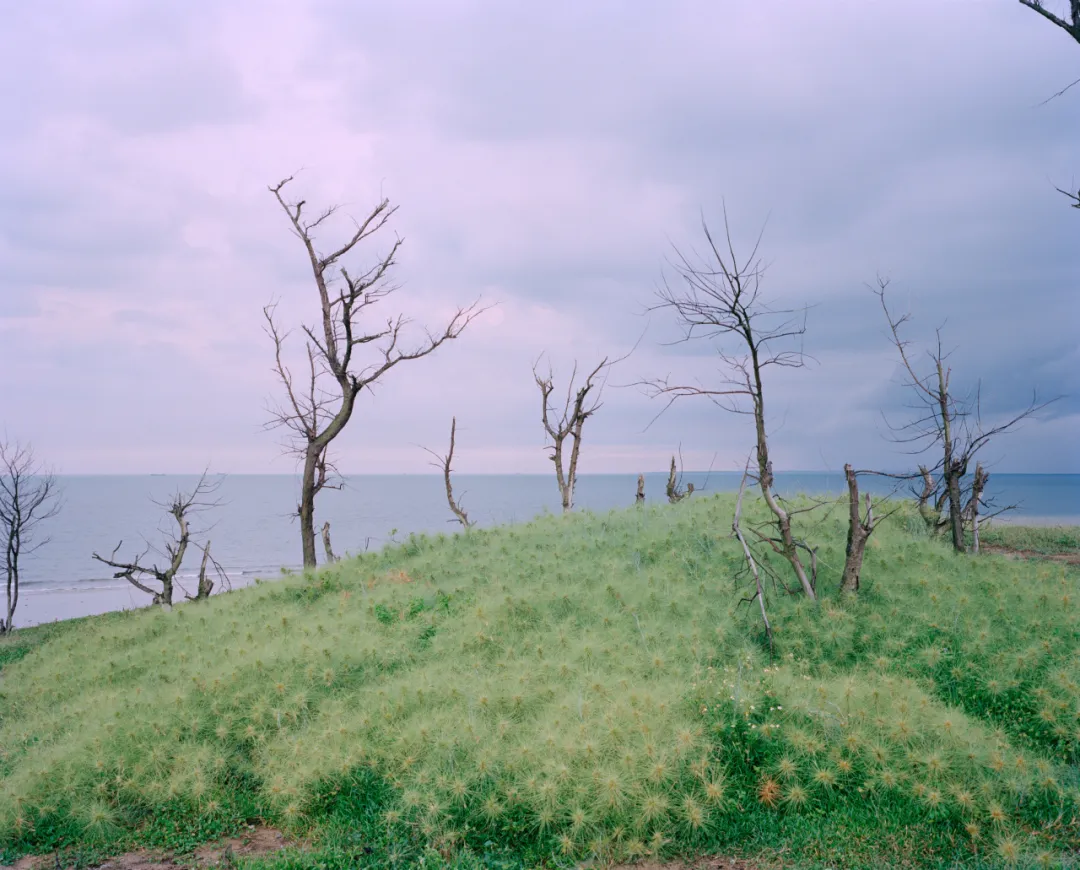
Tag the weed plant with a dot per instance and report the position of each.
(579, 687)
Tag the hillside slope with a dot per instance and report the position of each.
(578, 686)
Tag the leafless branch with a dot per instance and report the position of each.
(1075, 197)
(1071, 26)
(759, 593)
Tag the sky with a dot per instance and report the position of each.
(548, 159)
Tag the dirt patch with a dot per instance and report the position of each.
(255, 840)
(1061, 558)
(713, 863)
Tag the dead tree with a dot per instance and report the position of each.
(971, 509)
(327, 546)
(859, 531)
(319, 405)
(931, 514)
(206, 582)
(675, 491)
(182, 507)
(639, 498)
(444, 464)
(717, 299)
(759, 591)
(568, 423)
(29, 496)
(944, 421)
(1070, 25)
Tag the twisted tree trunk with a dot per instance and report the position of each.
(859, 532)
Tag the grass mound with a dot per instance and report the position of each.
(583, 686)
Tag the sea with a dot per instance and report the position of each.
(254, 533)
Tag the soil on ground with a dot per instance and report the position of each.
(713, 863)
(265, 841)
(254, 841)
(1071, 558)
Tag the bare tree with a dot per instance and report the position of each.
(181, 508)
(859, 531)
(317, 408)
(751, 563)
(327, 546)
(717, 299)
(444, 463)
(953, 425)
(1070, 24)
(568, 422)
(29, 496)
(975, 501)
(931, 514)
(206, 582)
(675, 492)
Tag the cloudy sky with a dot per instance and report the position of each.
(544, 156)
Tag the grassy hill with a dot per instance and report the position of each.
(579, 687)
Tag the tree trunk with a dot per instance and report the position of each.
(12, 557)
(858, 534)
(759, 591)
(672, 484)
(765, 480)
(206, 585)
(950, 467)
(571, 474)
(639, 499)
(977, 487)
(975, 532)
(956, 509)
(306, 511)
(330, 557)
(926, 510)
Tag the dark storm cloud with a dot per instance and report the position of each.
(547, 157)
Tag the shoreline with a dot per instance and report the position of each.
(59, 605)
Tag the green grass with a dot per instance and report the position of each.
(579, 687)
(1036, 539)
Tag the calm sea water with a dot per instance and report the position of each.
(253, 534)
